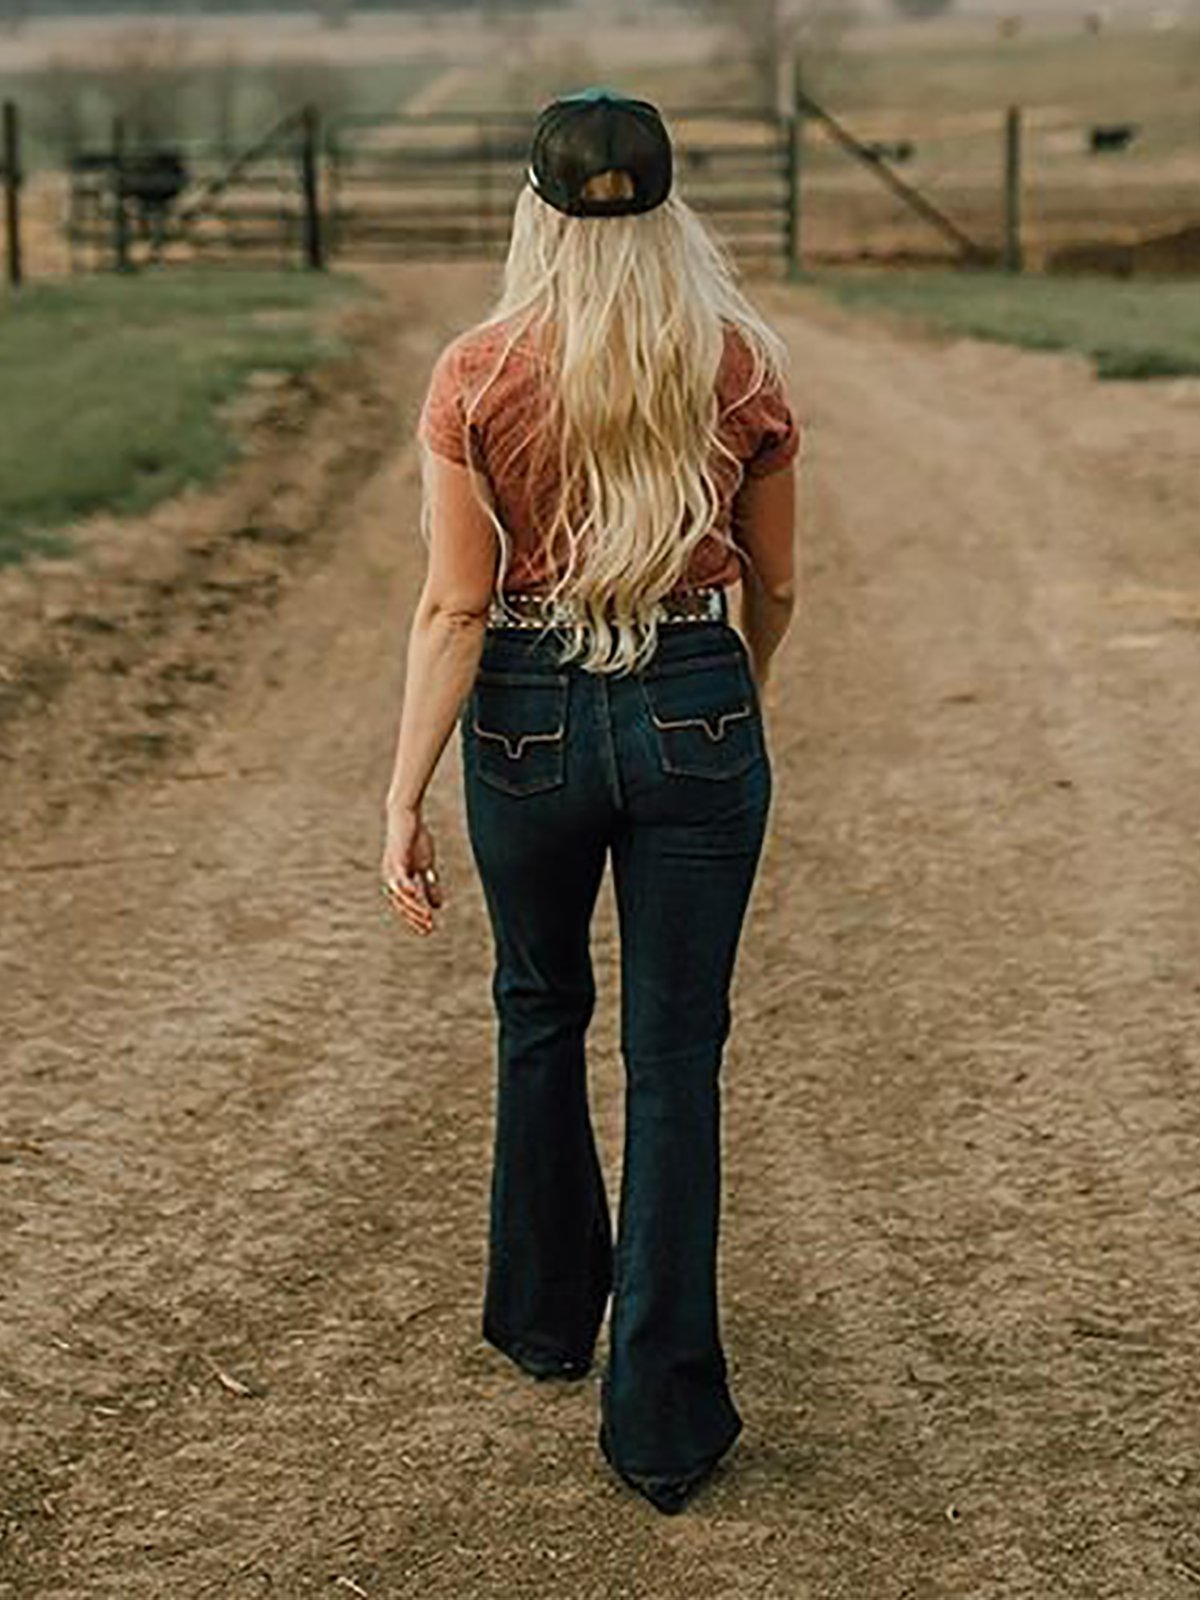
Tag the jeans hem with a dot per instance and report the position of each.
(687, 1478)
(539, 1363)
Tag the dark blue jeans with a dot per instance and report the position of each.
(668, 770)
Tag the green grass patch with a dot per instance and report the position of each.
(109, 386)
(1130, 328)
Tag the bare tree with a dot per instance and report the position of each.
(56, 94)
(13, 13)
(532, 67)
(311, 81)
(923, 8)
(334, 13)
(225, 82)
(764, 37)
(145, 77)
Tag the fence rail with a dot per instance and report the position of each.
(405, 186)
(1004, 188)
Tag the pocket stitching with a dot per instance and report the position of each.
(702, 722)
(514, 782)
(671, 762)
(521, 738)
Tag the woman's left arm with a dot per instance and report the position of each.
(445, 644)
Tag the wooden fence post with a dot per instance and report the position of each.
(10, 166)
(120, 212)
(1012, 190)
(794, 165)
(314, 257)
(484, 208)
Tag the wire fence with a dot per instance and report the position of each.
(1071, 193)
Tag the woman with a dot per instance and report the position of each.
(603, 456)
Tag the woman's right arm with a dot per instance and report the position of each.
(765, 527)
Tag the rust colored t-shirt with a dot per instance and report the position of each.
(761, 431)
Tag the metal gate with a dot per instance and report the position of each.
(442, 185)
(438, 186)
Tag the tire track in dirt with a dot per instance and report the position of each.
(246, 1133)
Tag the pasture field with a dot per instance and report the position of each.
(943, 87)
(111, 387)
(1129, 329)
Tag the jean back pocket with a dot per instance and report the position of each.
(705, 715)
(518, 721)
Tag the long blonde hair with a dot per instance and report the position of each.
(629, 315)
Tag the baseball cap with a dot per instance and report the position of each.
(598, 130)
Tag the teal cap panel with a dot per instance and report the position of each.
(597, 92)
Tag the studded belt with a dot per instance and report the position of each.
(528, 609)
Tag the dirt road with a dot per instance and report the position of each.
(246, 1117)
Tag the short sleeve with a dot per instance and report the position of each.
(442, 423)
(777, 430)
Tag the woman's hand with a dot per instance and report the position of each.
(409, 875)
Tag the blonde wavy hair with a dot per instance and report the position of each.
(628, 315)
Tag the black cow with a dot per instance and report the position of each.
(152, 181)
(1112, 136)
(890, 149)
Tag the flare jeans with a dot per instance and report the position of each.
(667, 771)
